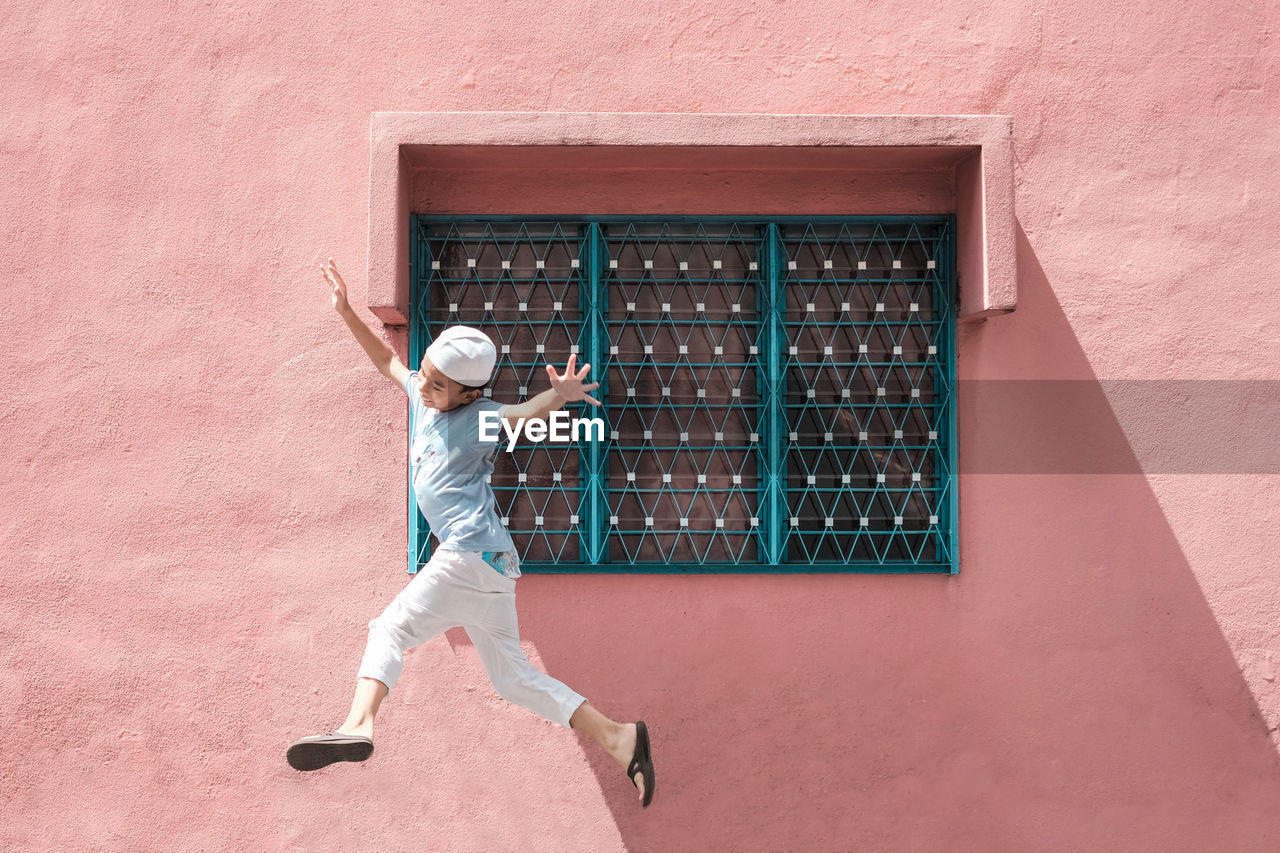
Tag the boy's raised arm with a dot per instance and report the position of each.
(382, 356)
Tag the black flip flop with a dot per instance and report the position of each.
(316, 751)
(642, 762)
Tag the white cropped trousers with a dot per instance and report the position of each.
(459, 588)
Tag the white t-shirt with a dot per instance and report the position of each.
(447, 466)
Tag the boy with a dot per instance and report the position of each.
(470, 579)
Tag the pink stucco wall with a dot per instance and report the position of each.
(203, 478)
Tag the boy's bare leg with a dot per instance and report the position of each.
(364, 707)
(618, 739)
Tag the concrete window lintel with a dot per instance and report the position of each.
(424, 162)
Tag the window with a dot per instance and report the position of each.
(776, 392)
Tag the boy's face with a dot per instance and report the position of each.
(439, 392)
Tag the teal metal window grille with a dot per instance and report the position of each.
(777, 393)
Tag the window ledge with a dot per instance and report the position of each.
(749, 164)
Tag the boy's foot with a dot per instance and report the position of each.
(316, 751)
(640, 769)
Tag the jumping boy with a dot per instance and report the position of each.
(470, 579)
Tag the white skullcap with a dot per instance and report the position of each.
(464, 354)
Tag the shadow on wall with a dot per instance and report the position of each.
(1070, 689)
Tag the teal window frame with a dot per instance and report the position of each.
(776, 553)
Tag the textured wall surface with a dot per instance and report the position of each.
(203, 478)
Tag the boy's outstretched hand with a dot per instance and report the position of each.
(570, 385)
(330, 271)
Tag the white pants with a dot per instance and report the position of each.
(459, 588)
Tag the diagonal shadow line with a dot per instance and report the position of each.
(1070, 689)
